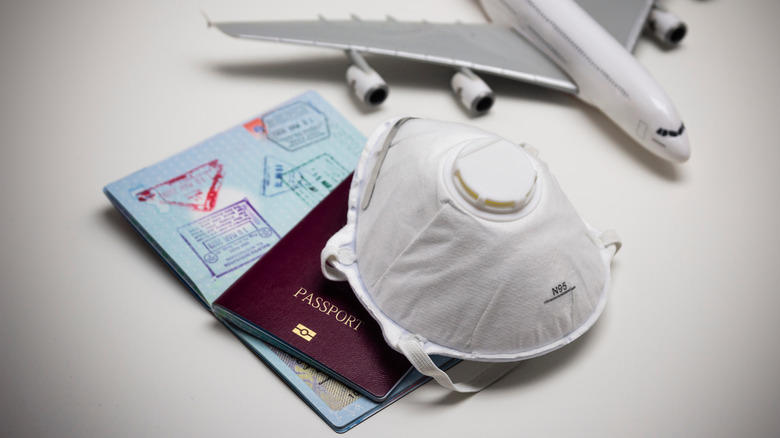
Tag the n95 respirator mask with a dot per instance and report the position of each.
(461, 243)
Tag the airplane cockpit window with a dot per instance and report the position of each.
(670, 133)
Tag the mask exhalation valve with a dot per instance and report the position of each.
(494, 176)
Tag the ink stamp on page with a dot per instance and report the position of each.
(277, 177)
(314, 179)
(196, 189)
(296, 126)
(229, 238)
(256, 127)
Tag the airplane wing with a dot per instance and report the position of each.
(486, 47)
(623, 19)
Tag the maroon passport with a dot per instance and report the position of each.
(285, 300)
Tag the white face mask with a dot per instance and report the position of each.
(460, 243)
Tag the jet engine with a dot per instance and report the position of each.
(472, 91)
(366, 83)
(666, 27)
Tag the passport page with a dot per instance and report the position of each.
(214, 209)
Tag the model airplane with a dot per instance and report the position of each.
(553, 43)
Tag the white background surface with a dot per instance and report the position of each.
(98, 337)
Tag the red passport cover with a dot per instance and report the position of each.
(285, 300)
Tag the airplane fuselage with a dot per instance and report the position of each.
(606, 74)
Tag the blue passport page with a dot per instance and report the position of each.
(214, 209)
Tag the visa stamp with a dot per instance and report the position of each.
(296, 126)
(256, 127)
(229, 238)
(196, 189)
(275, 173)
(314, 179)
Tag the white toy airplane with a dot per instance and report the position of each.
(553, 43)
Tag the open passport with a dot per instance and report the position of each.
(215, 209)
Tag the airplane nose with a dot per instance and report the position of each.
(679, 149)
(673, 148)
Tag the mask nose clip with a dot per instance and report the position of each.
(369, 190)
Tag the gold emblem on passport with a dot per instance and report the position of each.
(304, 332)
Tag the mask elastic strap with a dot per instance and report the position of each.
(488, 372)
(336, 250)
(608, 238)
